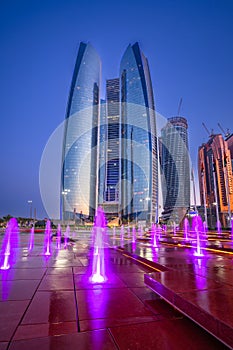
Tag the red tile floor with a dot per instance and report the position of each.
(51, 304)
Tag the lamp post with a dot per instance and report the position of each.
(64, 194)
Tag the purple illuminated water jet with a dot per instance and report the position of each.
(59, 236)
(128, 230)
(47, 239)
(153, 235)
(98, 264)
(122, 235)
(133, 234)
(31, 242)
(10, 243)
(186, 229)
(219, 229)
(197, 227)
(66, 236)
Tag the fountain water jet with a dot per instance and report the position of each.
(219, 229)
(66, 236)
(153, 235)
(31, 242)
(197, 227)
(186, 229)
(47, 239)
(133, 234)
(98, 264)
(59, 236)
(122, 235)
(10, 242)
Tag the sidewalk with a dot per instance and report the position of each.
(50, 304)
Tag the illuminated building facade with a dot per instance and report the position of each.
(175, 167)
(139, 165)
(216, 179)
(110, 147)
(80, 156)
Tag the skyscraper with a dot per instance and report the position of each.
(79, 171)
(138, 143)
(216, 180)
(113, 137)
(175, 167)
(110, 148)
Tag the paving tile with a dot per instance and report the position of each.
(18, 289)
(10, 314)
(57, 282)
(44, 330)
(109, 303)
(103, 323)
(80, 270)
(51, 307)
(3, 345)
(59, 271)
(98, 340)
(22, 274)
(165, 334)
(134, 279)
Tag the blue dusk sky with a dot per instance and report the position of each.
(188, 44)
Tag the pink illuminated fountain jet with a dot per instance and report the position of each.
(197, 226)
(98, 264)
(10, 244)
(31, 242)
(47, 239)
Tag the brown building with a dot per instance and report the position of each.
(216, 179)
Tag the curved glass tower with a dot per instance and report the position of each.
(139, 164)
(79, 171)
(176, 169)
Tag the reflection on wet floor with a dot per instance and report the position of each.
(49, 302)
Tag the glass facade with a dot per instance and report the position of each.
(80, 151)
(175, 166)
(113, 137)
(138, 144)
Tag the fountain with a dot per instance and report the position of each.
(66, 236)
(47, 239)
(31, 242)
(153, 235)
(219, 228)
(197, 227)
(140, 231)
(10, 243)
(122, 235)
(59, 236)
(98, 264)
(205, 229)
(186, 229)
(128, 230)
(133, 234)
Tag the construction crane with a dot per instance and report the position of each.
(226, 133)
(208, 132)
(179, 107)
